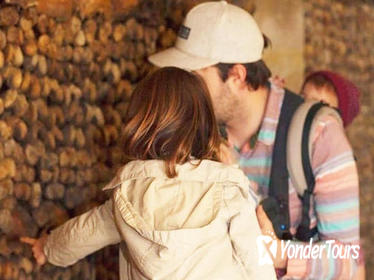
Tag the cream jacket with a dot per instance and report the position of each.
(198, 225)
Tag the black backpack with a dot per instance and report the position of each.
(291, 160)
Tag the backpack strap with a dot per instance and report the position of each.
(299, 147)
(295, 144)
(278, 186)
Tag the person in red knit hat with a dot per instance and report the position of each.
(334, 90)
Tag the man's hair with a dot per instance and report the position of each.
(319, 81)
(258, 73)
(171, 118)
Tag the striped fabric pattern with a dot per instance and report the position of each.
(335, 208)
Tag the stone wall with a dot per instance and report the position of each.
(67, 70)
(339, 37)
(283, 22)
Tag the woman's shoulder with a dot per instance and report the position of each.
(194, 170)
(209, 170)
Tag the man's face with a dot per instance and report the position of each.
(224, 101)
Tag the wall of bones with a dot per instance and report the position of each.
(67, 70)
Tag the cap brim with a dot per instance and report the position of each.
(177, 58)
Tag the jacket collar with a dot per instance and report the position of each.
(206, 171)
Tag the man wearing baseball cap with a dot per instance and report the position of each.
(223, 44)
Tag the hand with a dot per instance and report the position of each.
(37, 247)
(267, 229)
(278, 81)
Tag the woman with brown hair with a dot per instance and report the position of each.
(177, 211)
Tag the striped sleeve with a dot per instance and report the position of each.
(336, 200)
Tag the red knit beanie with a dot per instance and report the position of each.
(347, 93)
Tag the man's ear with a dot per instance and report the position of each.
(237, 75)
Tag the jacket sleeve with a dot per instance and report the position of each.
(336, 201)
(244, 232)
(82, 235)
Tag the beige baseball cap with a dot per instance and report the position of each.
(213, 32)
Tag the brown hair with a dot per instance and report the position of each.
(258, 73)
(171, 118)
(319, 82)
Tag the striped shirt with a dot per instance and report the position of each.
(335, 206)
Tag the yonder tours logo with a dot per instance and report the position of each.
(267, 248)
